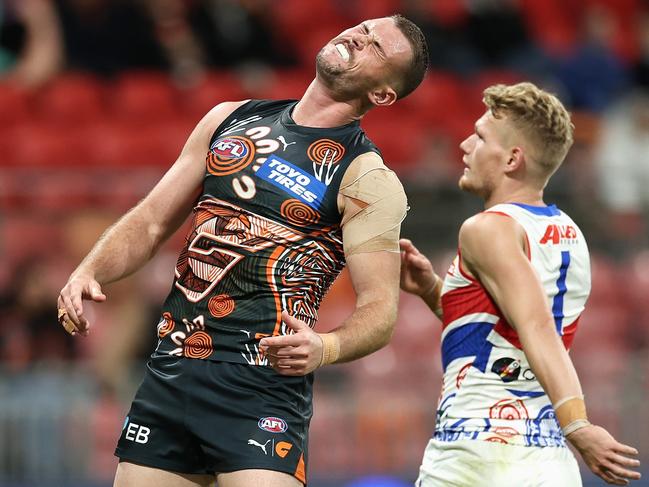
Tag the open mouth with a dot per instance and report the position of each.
(342, 50)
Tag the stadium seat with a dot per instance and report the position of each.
(14, 105)
(139, 98)
(401, 143)
(436, 101)
(215, 87)
(39, 144)
(296, 19)
(73, 99)
(287, 84)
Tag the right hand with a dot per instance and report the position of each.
(417, 273)
(70, 303)
(606, 457)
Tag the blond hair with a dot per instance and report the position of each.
(539, 116)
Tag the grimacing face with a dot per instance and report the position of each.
(484, 155)
(363, 57)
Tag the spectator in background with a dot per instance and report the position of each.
(622, 162)
(233, 32)
(592, 75)
(31, 46)
(108, 36)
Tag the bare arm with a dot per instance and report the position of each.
(375, 277)
(373, 204)
(493, 251)
(134, 239)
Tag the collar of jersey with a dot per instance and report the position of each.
(289, 124)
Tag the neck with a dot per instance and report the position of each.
(525, 195)
(319, 109)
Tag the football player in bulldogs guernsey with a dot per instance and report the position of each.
(510, 305)
(282, 194)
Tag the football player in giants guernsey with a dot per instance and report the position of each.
(282, 194)
(510, 305)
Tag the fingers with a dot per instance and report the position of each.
(283, 352)
(614, 467)
(406, 244)
(281, 341)
(95, 292)
(64, 320)
(418, 260)
(292, 322)
(625, 461)
(610, 478)
(625, 450)
(70, 304)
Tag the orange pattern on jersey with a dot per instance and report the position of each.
(224, 162)
(325, 151)
(167, 327)
(198, 345)
(300, 471)
(298, 213)
(221, 305)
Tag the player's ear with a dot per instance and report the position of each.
(516, 159)
(383, 96)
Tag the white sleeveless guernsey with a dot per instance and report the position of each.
(489, 392)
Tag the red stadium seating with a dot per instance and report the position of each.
(73, 99)
(215, 87)
(14, 105)
(139, 98)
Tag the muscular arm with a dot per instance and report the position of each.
(375, 277)
(373, 204)
(135, 237)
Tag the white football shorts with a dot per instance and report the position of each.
(469, 463)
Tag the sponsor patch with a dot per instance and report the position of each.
(272, 424)
(293, 180)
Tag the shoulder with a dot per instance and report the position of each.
(221, 111)
(490, 230)
(369, 166)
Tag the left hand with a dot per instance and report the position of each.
(606, 457)
(297, 354)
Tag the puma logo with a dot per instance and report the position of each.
(284, 143)
(263, 447)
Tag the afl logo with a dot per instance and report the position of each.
(272, 424)
(230, 155)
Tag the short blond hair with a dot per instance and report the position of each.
(539, 116)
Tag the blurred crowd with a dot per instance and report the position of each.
(97, 97)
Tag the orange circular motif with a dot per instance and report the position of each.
(198, 345)
(325, 151)
(298, 213)
(508, 409)
(229, 155)
(167, 327)
(221, 305)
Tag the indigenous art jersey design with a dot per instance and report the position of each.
(489, 391)
(265, 234)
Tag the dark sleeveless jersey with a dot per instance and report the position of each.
(265, 234)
